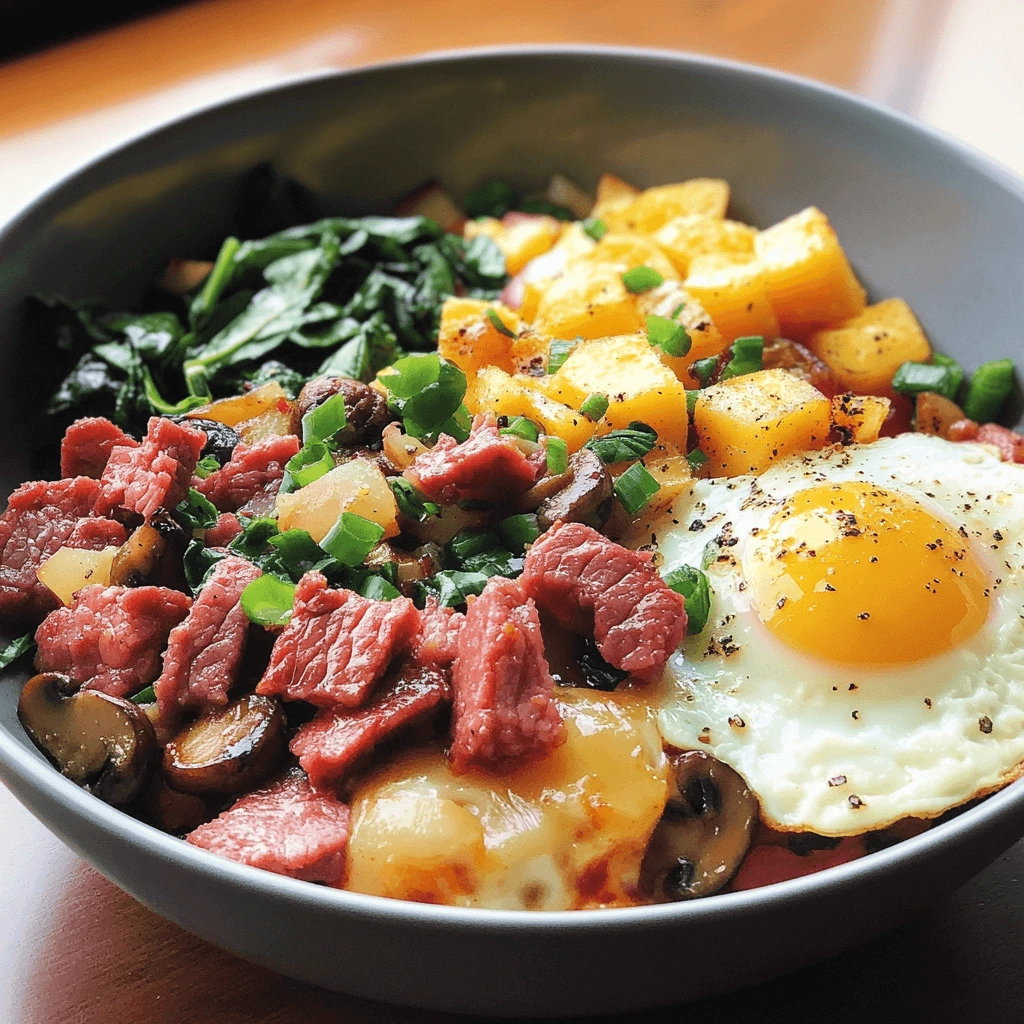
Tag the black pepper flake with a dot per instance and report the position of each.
(736, 722)
(781, 603)
(855, 801)
(996, 535)
(705, 735)
(837, 780)
(852, 686)
(830, 588)
(927, 702)
(863, 616)
(985, 724)
(855, 715)
(696, 526)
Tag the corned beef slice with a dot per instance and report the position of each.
(205, 650)
(502, 689)
(337, 645)
(286, 827)
(574, 571)
(87, 445)
(248, 472)
(1009, 442)
(226, 529)
(487, 467)
(153, 475)
(41, 517)
(438, 640)
(110, 638)
(328, 745)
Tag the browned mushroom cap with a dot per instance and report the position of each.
(704, 832)
(228, 750)
(585, 499)
(366, 409)
(105, 744)
(170, 810)
(143, 556)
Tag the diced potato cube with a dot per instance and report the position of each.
(624, 251)
(735, 296)
(489, 226)
(808, 275)
(587, 301)
(67, 570)
(653, 208)
(527, 238)
(683, 239)
(638, 385)
(671, 470)
(575, 242)
(859, 417)
(357, 486)
(240, 408)
(612, 194)
(864, 352)
(705, 338)
(272, 423)
(495, 391)
(530, 352)
(935, 414)
(747, 423)
(469, 338)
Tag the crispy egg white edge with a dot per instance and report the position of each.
(899, 756)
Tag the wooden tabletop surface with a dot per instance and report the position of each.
(73, 948)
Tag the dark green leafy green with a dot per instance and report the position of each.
(16, 650)
(197, 512)
(703, 369)
(519, 530)
(451, 587)
(597, 673)
(621, 445)
(695, 588)
(426, 391)
(206, 466)
(197, 563)
(410, 502)
(494, 199)
(747, 356)
(697, 460)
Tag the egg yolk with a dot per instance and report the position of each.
(856, 574)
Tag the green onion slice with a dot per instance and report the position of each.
(989, 389)
(323, 422)
(557, 455)
(668, 335)
(522, 427)
(498, 323)
(352, 538)
(309, 463)
(268, 601)
(595, 228)
(943, 378)
(695, 589)
(558, 353)
(635, 488)
(594, 406)
(702, 369)
(641, 279)
(746, 357)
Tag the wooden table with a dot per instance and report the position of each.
(74, 949)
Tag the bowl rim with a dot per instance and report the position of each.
(28, 769)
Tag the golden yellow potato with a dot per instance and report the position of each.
(683, 239)
(530, 843)
(624, 251)
(272, 423)
(807, 273)
(865, 351)
(860, 417)
(612, 194)
(747, 423)
(526, 239)
(673, 301)
(357, 486)
(493, 390)
(469, 338)
(67, 570)
(587, 301)
(671, 470)
(638, 385)
(654, 207)
(735, 295)
(240, 408)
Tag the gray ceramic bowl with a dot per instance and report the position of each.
(921, 217)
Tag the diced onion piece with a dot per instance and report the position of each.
(401, 449)
(67, 570)
(272, 423)
(236, 410)
(357, 486)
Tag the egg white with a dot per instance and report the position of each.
(839, 749)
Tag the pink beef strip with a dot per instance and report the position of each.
(42, 517)
(226, 529)
(576, 573)
(504, 708)
(87, 445)
(205, 651)
(286, 827)
(110, 638)
(337, 645)
(249, 472)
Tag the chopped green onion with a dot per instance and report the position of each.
(376, 588)
(691, 401)
(558, 353)
(622, 445)
(595, 228)
(206, 466)
(295, 546)
(746, 357)
(451, 587)
(594, 406)
(471, 541)
(309, 463)
(16, 649)
(268, 601)
(641, 279)
(427, 392)
(518, 531)
(669, 336)
(410, 502)
(352, 538)
(498, 323)
(522, 427)
(989, 389)
(695, 589)
(146, 696)
(702, 369)
(635, 488)
(197, 511)
(697, 460)
(942, 378)
(323, 422)
(558, 455)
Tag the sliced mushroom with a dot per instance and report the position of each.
(228, 750)
(221, 440)
(102, 743)
(152, 547)
(585, 499)
(366, 409)
(704, 832)
(543, 489)
(171, 811)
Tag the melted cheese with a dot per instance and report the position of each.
(563, 832)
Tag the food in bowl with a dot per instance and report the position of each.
(536, 554)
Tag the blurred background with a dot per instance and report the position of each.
(76, 82)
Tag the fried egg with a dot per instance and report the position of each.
(864, 658)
